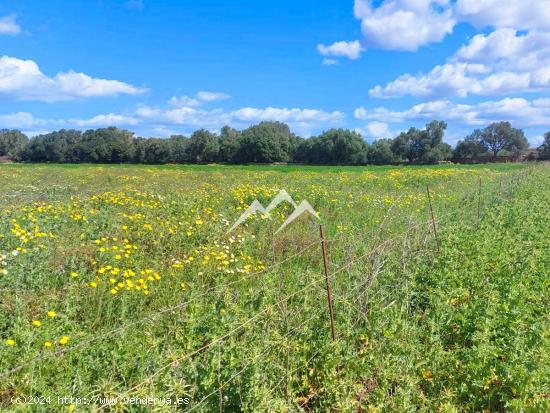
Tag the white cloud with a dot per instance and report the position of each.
(536, 141)
(444, 79)
(109, 119)
(351, 50)
(9, 26)
(183, 118)
(19, 120)
(519, 111)
(502, 62)
(518, 14)
(154, 121)
(410, 24)
(25, 120)
(187, 116)
(212, 96)
(199, 99)
(488, 48)
(404, 24)
(187, 111)
(23, 80)
(310, 116)
(376, 130)
(508, 49)
(329, 62)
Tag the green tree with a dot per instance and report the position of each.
(544, 149)
(306, 152)
(179, 146)
(469, 148)
(203, 146)
(500, 136)
(106, 145)
(266, 142)
(334, 146)
(57, 146)
(380, 152)
(229, 142)
(423, 146)
(12, 143)
(152, 150)
(342, 146)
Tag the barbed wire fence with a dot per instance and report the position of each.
(356, 297)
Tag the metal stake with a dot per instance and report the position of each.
(327, 281)
(433, 218)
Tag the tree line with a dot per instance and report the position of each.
(266, 142)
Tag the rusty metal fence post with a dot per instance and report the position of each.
(433, 217)
(327, 281)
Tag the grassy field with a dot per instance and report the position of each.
(121, 282)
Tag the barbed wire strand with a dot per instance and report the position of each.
(156, 314)
(183, 304)
(251, 319)
(223, 337)
(233, 377)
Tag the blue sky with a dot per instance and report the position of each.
(163, 67)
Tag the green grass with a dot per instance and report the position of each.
(278, 168)
(464, 328)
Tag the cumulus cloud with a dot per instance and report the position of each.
(376, 130)
(158, 122)
(188, 111)
(518, 14)
(184, 118)
(23, 80)
(404, 24)
(104, 120)
(9, 26)
(520, 111)
(502, 62)
(309, 116)
(351, 50)
(201, 98)
(410, 24)
(507, 48)
(442, 80)
(19, 120)
(26, 120)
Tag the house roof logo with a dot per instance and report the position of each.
(283, 196)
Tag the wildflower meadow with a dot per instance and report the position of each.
(120, 284)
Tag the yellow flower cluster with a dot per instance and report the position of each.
(125, 279)
(126, 234)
